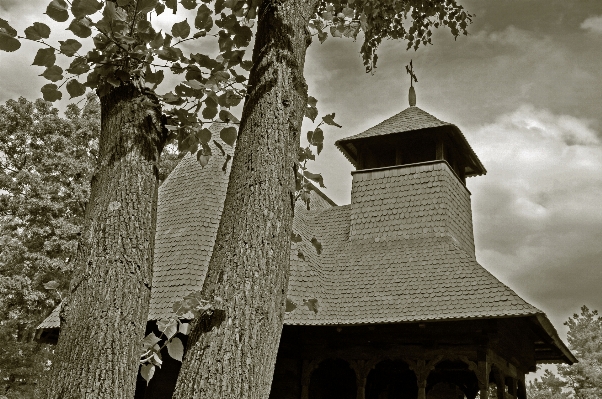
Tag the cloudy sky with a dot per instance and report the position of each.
(525, 88)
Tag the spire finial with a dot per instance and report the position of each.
(412, 94)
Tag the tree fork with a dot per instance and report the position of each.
(104, 317)
(249, 267)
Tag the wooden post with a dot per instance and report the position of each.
(521, 391)
(440, 147)
(483, 379)
(501, 385)
(421, 376)
(306, 370)
(398, 155)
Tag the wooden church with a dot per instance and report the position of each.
(395, 305)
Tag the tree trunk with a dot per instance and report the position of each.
(104, 318)
(232, 353)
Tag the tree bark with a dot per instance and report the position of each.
(231, 354)
(104, 317)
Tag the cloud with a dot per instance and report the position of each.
(538, 213)
(593, 24)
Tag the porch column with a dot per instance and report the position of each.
(483, 378)
(521, 392)
(422, 374)
(512, 386)
(500, 383)
(361, 368)
(308, 368)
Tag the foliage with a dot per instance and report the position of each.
(584, 337)
(45, 171)
(127, 48)
(582, 380)
(549, 387)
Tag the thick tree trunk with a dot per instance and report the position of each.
(232, 353)
(104, 318)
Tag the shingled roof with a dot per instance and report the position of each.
(364, 278)
(411, 119)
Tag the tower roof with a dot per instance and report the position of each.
(410, 119)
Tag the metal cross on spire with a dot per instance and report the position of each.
(412, 94)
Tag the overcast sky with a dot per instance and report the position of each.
(525, 89)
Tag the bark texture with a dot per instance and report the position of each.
(104, 318)
(232, 353)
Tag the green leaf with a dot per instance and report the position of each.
(123, 3)
(227, 117)
(80, 28)
(159, 8)
(300, 255)
(45, 57)
(204, 135)
(311, 101)
(82, 8)
(147, 371)
(312, 304)
(203, 159)
(75, 89)
(322, 36)
(154, 78)
(6, 28)
(184, 328)
(50, 92)
(78, 66)
(209, 111)
(315, 177)
(317, 245)
(149, 341)
(311, 113)
(69, 47)
(181, 29)
(243, 37)
(53, 73)
(296, 237)
(51, 285)
(175, 349)
(229, 135)
(203, 18)
(188, 4)
(172, 4)
(145, 6)
(37, 31)
(169, 327)
(290, 306)
(329, 120)
(57, 10)
(8, 43)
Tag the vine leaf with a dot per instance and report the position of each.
(175, 349)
